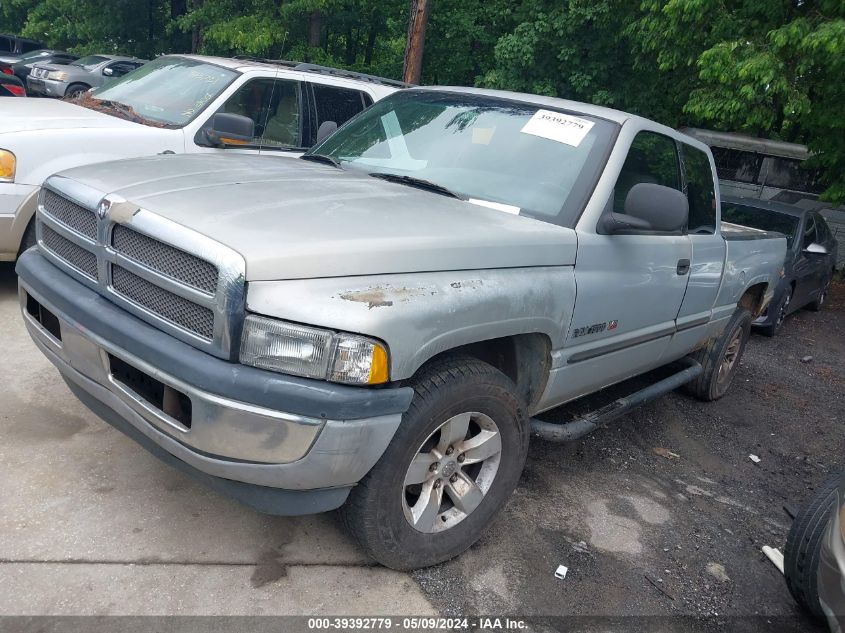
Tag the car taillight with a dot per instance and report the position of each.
(17, 91)
(6, 71)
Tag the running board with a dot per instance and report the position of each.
(600, 417)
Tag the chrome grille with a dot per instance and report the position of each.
(168, 275)
(82, 260)
(165, 259)
(70, 214)
(170, 306)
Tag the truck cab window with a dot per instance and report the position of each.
(273, 105)
(652, 158)
(701, 192)
(337, 104)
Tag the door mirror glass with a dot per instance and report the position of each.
(649, 208)
(816, 249)
(230, 129)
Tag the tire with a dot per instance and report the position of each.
(381, 508)
(780, 313)
(28, 240)
(816, 305)
(803, 547)
(712, 384)
(74, 90)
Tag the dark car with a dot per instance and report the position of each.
(11, 86)
(810, 254)
(814, 556)
(23, 65)
(12, 46)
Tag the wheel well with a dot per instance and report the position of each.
(524, 358)
(752, 299)
(78, 84)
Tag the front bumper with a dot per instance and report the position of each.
(246, 425)
(45, 87)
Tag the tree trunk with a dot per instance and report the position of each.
(371, 40)
(417, 21)
(314, 29)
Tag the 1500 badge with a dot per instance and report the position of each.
(595, 328)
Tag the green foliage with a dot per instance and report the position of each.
(770, 68)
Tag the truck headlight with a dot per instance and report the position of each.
(57, 75)
(7, 166)
(312, 352)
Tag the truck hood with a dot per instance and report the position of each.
(50, 114)
(293, 219)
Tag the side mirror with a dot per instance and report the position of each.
(649, 207)
(816, 249)
(108, 72)
(326, 129)
(230, 129)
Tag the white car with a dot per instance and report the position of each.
(171, 105)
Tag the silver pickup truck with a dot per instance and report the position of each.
(378, 325)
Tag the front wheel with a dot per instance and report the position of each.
(453, 463)
(780, 312)
(720, 358)
(76, 90)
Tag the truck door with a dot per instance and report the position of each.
(708, 250)
(629, 287)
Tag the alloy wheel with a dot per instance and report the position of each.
(451, 472)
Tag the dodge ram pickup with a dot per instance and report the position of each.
(378, 325)
(175, 104)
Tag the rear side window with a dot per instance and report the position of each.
(788, 173)
(701, 192)
(822, 229)
(28, 47)
(652, 158)
(6, 45)
(337, 104)
(737, 165)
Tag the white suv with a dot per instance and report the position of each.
(168, 106)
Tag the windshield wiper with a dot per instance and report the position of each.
(322, 158)
(419, 183)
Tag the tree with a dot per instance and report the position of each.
(771, 69)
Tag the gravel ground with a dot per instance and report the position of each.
(651, 535)
(675, 532)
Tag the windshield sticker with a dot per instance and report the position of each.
(507, 208)
(555, 126)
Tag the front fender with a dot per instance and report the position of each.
(420, 315)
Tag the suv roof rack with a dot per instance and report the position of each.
(327, 70)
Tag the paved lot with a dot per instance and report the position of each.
(91, 524)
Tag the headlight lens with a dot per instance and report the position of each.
(7, 166)
(57, 75)
(312, 352)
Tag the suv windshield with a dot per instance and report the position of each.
(512, 156)
(168, 90)
(90, 62)
(762, 219)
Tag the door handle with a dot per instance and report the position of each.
(683, 267)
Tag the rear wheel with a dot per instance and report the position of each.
(816, 305)
(720, 358)
(802, 552)
(453, 463)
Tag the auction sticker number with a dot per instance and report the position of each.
(555, 126)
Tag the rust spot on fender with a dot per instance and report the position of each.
(383, 296)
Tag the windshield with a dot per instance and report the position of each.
(168, 90)
(34, 55)
(90, 62)
(762, 219)
(511, 156)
